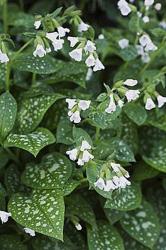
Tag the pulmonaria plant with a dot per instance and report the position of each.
(82, 163)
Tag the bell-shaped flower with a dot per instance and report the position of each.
(148, 3)
(87, 156)
(112, 106)
(161, 100)
(123, 43)
(37, 24)
(72, 154)
(75, 117)
(4, 216)
(84, 104)
(149, 104)
(76, 54)
(83, 27)
(39, 51)
(109, 186)
(130, 82)
(3, 57)
(132, 95)
(73, 40)
(85, 145)
(62, 31)
(90, 47)
(124, 7)
(29, 231)
(71, 102)
(78, 226)
(90, 61)
(98, 65)
(100, 183)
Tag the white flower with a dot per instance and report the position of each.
(87, 156)
(100, 183)
(48, 50)
(158, 6)
(3, 57)
(130, 82)
(161, 100)
(98, 65)
(75, 117)
(71, 102)
(101, 37)
(149, 104)
(29, 231)
(58, 44)
(4, 216)
(80, 162)
(132, 95)
(148, 2)
(83, 104)
(115, 167)
(78, 226)
(144, 40)
(124, 7)
(123, 182)
(150, 47)
(76, 54)
(39, 51)
(52, 36)
(145, 58)
(72, 154)
(83, 27)
(112, 106)
(145, 19)
(62, 31)
(163, 24)
(85, 145)
(139, 14)
(90, 61)
(109, 186)
(73, 40)
(123, 43)
(120, 103)
(140, 50)
(89, 74)
(37, 24)
(90, 47)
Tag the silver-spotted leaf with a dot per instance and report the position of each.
(42, 212)
(136, 113)
(32, 142)
(105, 237)
(31, 111)
(8, 111)
(64, 131)
(52, 173)
(142, 224)
(125, 199)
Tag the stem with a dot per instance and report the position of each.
(12, 156)
(5, 17)
(8, 70)
(22, 48)
(33, 79)
(97, 135)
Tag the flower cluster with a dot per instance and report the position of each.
(75, 107)
(121, 91)
(113, 179)
(42, 45)
(81, 154)
(144, 47)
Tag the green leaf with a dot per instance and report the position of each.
(32, 109)
(76, 205)
(8, 110)
(153, 148)
(64, 131)
(52, 173)
(11, 242)
(142, 224)
(157, 118)
(43, 212)
(37, 65)
(32, 142)
(70, 72)
(79, 135)
(136, 113)
(12, 179)
(125, 199)
(113, 215)
(142, 171)
(4, 158)
(70, 186)
(128, 54)
(130, 243)
(104, 237)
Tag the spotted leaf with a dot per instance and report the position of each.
(142, 224)
(44, 65)
(32, 142)
(52, 173)
(31, 111)
(8, 110)
(136, 113)
(64, 131)
(125, 199)
(104, 236)
(42, 212)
